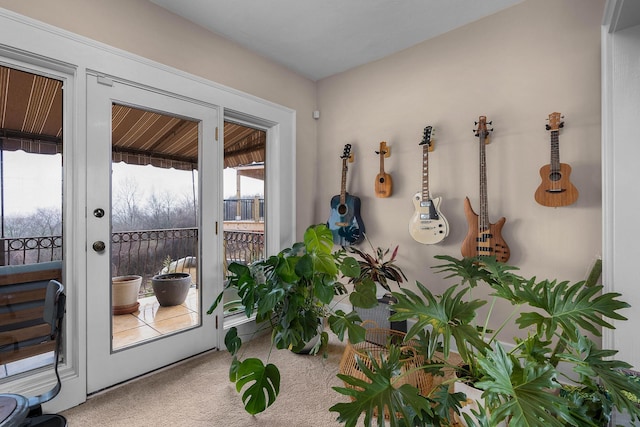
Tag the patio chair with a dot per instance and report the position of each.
(17, 410)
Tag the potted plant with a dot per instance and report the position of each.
(540, 380)
(292, 293)
(171, 287)
(124, 294)
(376, 268)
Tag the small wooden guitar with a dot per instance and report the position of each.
(384, 184)
(556, 189)
(344, 221)
(483, 238)
(427, 225)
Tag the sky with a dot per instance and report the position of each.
(33, 181)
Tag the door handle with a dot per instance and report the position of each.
(98, 213)
(99, 246)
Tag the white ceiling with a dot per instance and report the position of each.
(318, 38)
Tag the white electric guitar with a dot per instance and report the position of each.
(427, 225)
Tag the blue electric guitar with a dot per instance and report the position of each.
(344, 221)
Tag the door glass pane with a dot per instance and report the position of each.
(244, 201)
(31, 152)
(154, 220)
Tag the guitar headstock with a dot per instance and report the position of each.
(481, 130)
(347, 151)
(555, 121)
(426, 136)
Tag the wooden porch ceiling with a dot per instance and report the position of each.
(31, 120)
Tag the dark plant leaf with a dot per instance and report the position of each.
(258, 383)
(341, 323)
(232, 341)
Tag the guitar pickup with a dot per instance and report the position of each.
(342, 224)
(425, 217)
(425, 204)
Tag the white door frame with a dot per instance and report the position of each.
(40, 44)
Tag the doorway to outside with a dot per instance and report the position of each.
(32, 232)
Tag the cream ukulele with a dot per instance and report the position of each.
(384, 184)
(556, 189)
(483, 238)
(344, 220)
(427, 225)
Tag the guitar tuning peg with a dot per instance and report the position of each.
(547, 127)
(490, 130)
(490, 123)
(475, 123)
(561, 124)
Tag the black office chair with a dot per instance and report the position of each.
(20, 411)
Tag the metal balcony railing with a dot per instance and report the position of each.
(140, 252)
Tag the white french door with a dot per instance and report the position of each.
(141, 202)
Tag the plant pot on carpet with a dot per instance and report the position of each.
(521, 384)
(292, 293)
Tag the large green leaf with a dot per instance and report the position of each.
(258, 383)
(350, 267)
(520, 394)
(569, 307)
(364, 294)
(372, 396)
(318, 239)
(341, 323)
(592, 362)
(448, 316)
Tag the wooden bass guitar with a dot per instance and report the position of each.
(483, 238)
(384, 184)
(345, 222)
(427, 225)
(556, 189)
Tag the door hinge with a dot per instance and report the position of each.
(216, 133)
(216, 228)
(216, 321)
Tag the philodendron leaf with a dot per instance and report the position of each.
(378, 392)
(520, 394)
(258, 383)
(341, 323)
(232, 341)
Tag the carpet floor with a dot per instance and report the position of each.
(197, 392)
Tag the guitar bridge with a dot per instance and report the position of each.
(556, 190)
(342, 224)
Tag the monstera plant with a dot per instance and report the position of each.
(292, 293)
(555, 375)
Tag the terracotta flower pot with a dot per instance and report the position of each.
(171, 288)
(124, 294)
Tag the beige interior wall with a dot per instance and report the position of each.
(515, 67)
(142, 28)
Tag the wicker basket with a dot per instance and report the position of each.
(376, 343)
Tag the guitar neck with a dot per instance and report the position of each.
(555, 151)
(382, 153)
(425, 172)
(483, 220)
(343, 189)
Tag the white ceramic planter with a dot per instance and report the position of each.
(124, 293)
